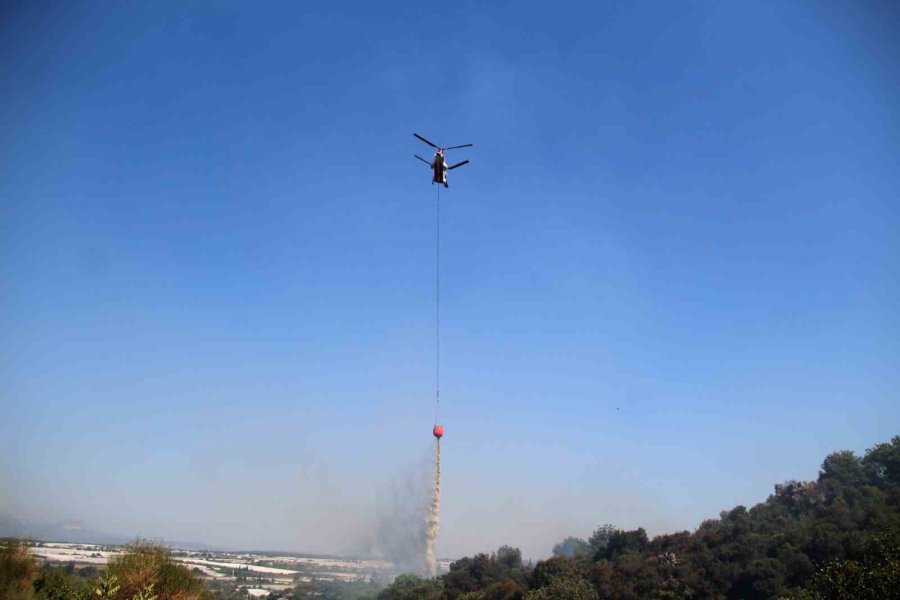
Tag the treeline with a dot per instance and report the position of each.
(834, 538)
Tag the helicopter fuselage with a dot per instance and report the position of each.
(439, 168)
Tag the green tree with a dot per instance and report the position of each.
(622, 542)
(546, 571)
(564, 588)
(509, 557)
(763, 579)
(411, 587)
(845, 468)
(874, 577)
(882, 464)
(504, 590)
(600, 538)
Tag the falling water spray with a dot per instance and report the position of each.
(433, 521)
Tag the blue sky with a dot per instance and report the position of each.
(670, 274)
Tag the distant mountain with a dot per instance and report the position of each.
(61, 531)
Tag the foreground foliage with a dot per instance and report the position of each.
(145, 571)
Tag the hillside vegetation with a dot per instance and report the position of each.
(836, 537)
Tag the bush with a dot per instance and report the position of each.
(18, 571)
(148, 572)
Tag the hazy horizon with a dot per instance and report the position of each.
(670, 273)
(363, 537)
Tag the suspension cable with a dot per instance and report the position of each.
(437, 312)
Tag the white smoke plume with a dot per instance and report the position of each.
(401, 523)
(407, 518)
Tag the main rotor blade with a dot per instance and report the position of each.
(455, 147)
(426, 141)
(422, 159)
(458, 165)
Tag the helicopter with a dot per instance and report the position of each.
(438, 165)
